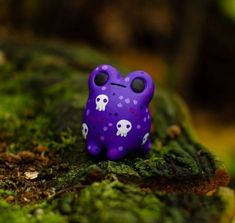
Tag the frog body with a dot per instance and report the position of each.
(116, 118)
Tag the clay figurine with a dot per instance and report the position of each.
(116, 119)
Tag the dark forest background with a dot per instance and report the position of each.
(195, 38)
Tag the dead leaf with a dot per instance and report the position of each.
(31, 175)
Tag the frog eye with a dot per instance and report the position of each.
(101, 79)
(138, 85)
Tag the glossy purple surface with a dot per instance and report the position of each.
(116, 119)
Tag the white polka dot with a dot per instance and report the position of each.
(127, 100)
(138, 126)
(105, 67)
(103, 88)
(127, 79)
(102, 138)
(120, 148)
(97, 68)
(89, 147)
(135, 102)
(121, 97)
(119, 105)
(110, 124)
(87, 112)
(105, 128)
(145, 119)
(147, 110)
(148, 117)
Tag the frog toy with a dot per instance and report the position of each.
(116, 119)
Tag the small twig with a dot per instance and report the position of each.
(62, 191)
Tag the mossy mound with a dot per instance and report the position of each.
(115, 202)
(43, 91)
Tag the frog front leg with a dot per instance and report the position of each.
(93, 147)
(116, 152)
(146, 147)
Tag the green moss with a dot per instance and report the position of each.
(11, 214)
(6, 193)
(112, 201)
(14, 106)
(116, 202)
(17, 214)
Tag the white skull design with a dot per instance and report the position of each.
(145, 138)
(123, 127)
(84, 130)
(101, 102)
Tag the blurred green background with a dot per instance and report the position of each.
(185, 45)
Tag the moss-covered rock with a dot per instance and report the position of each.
(43, 89)
(112, 201)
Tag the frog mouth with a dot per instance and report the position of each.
(120, 85)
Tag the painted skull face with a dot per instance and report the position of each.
(101, 102)
(117, 113)
(84, 130)
(123, 127)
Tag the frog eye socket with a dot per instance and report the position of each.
(138, 85)
(101, 79)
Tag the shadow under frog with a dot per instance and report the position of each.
(116, 118)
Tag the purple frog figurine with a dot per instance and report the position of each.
(116, 118)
